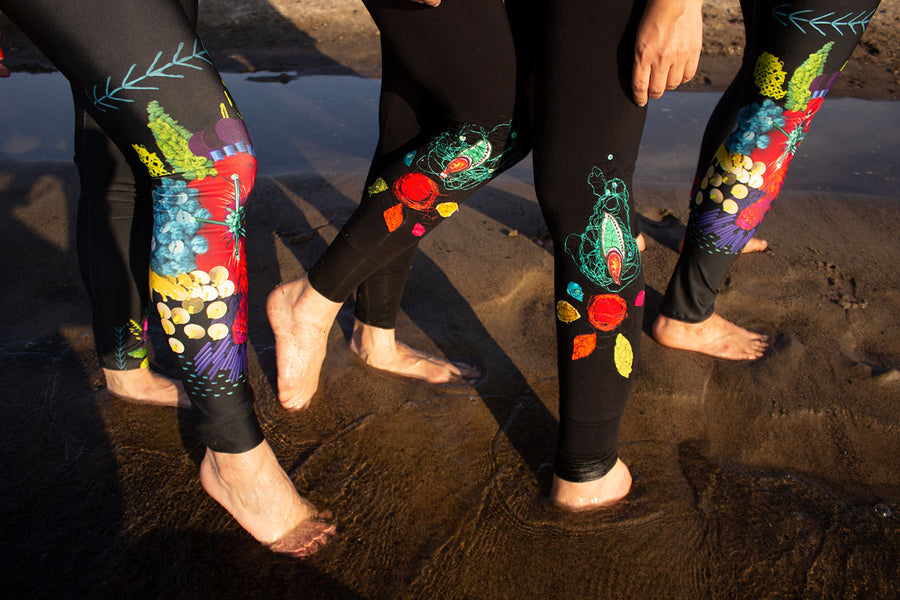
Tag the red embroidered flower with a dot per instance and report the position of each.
(784, 141)
(224, 197)
(416, 191)
(606, 311)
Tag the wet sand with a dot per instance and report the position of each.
(772, 479)
(769, 479)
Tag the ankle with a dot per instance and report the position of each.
(661, 326)
(664, 324)
(146, 387)
(233, 469)
(118, 376)
(310, 305)
(589, 495)
(369, 341)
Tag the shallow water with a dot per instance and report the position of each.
(328, 124)
(776, 479)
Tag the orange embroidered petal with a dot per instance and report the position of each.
(583, 345)
(394, 217)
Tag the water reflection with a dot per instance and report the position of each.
(327, 124)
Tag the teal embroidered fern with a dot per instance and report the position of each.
(798, 18)
(108, 97)
(121, 360)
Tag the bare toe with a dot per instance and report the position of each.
(257, 492)
(307, 538)
(467, 372)
(755, 245)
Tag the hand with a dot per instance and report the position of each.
(428, 2)
(4, 72)
(667, 49)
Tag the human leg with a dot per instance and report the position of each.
(114, 223)
(461, 58)
(587, 133)
(405, 109)
(405, 106)
(149, 88)
(112, 236)
(793, 56)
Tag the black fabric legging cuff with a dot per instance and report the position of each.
(378, 298)
(695, 270)
(225, 426)
(580, 469)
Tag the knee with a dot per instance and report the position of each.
(231, 158)
(510, 139)
(466, 154)
(202, 159)
(199, 212)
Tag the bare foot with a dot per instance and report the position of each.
(257, 492)
(641, 242)
(301, 318)
(589, 495)
(379, 349)
(146, 387)
(754, 245)
(715, 336)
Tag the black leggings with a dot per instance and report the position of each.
(450, 122)
(145, 78)
(447, 126)
(793, 56)
(587, 134)
(114, 229)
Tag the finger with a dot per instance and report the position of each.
(690, 68)
(675, 77)
(640, 82)
(659, 77)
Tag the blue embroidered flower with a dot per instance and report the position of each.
(175, 244)
(753, 123)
